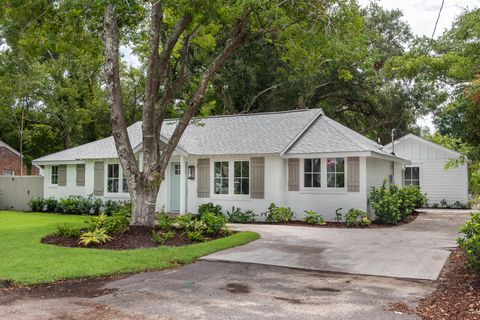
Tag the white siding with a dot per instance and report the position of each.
(435, 180)
(63, 191)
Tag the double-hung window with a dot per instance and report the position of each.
(54, 175)
(412, 176)
(221, 177)
(312, 173)
(241, 179)
(336, 172)
(113, 178)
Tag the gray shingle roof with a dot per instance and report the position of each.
(327, 135)
(260, 133)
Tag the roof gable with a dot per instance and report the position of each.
(412, 137)
(5, 145)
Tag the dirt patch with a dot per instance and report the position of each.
(84, 288)
(133, 238)
(457, 296)
(96, 311)
(234, 287)
(333, 224)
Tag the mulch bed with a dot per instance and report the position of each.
(457, 296)
(133, 238)
(333, 224)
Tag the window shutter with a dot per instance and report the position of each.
(98, 178)
(62, 175)
(203, 178)
(80, 175)
(293, 175)
(257, 179)
(353, 179)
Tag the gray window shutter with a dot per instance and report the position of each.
(80, 175)
(62, 175)
(98, 178)
(353, 179)
(203, 178)
(257, 178)
(293, 174)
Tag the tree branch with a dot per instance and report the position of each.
(240, 34)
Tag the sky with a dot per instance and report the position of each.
(421, 16)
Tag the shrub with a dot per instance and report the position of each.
(188, 223)
(164, 222)
(278, 214)
(118, 221)
(67, 231)
(73, 205)
(96, 222)
(237, 216)
(214, 224)
(195, 236)
(470, 243)
(36, 204)
(111, 206)
(386, 204)
(209, 207)
(161, 238)
(96, 236)
(313, 217)
(357, 218)
(444, 203)
(51, 205)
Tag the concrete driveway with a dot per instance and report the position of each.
(417, 250)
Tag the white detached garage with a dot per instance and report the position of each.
(427, 169)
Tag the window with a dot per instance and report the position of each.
(221, 177)
(9, 173)
(176, 169)
(54, 176)
(241, 179)
(412, 176)
(113, 178)
(312, 173)
(336, 173)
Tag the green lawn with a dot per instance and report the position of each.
(25, 260)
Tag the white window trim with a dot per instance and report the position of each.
(118, 194)
(231, 179)
(323, 183)
(420, 178)
(51, 174)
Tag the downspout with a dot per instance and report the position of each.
(392, 180)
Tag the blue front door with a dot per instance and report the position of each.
(175, 186)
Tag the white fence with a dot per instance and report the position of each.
(15, 192)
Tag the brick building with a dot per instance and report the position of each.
(10, 162)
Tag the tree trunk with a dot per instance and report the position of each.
(143, 200)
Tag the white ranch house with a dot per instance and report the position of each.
(301, 159)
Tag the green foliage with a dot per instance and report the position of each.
(119, 221)
(67, 231)
(96, 236)
(312, 217)
(96, 222)
(238, 216)
(394, 204)
(210, 207)
(357, 218)
(160, 238)
(278, 214)
(164, 222)
(214, 224)
(36, 204)
(195, 236)
(470, 242)
(111, 206)
(51, 204)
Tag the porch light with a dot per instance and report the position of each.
(191, 172)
